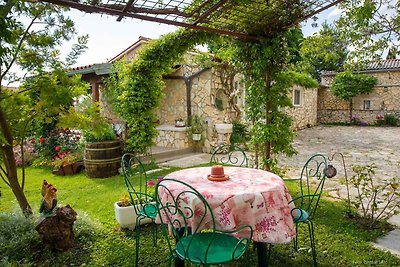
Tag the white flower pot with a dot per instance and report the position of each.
(126, 216)
(196, 137)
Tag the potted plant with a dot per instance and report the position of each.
(67, 163)
(195, 127)
(125, 212)
(103, 152)
(179, 123)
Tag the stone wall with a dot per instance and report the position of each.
(305, 114)
(171, 136)
(383, 100)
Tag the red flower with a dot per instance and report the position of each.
(57, 148)
(41, 140)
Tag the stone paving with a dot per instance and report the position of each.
(359, 146)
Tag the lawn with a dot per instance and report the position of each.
(100, 241)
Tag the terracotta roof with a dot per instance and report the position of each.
(81, 68)
(130, 48)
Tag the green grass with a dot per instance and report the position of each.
(100, 241)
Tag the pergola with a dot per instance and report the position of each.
(244, 19)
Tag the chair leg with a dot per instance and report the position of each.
(137, 238)
(154, 230)
(295, 244)
(312, 241)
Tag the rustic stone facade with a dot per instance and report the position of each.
(304, 114)
(366, 107)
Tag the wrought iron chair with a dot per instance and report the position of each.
(306, 204)
(229, 154)
(144, 203)
(185, 213)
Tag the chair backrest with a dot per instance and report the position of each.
(184, 212)
(229, 154)
(312, 181)
(135, 176)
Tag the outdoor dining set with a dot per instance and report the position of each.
(217, 212)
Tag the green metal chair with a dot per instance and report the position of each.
(229, 154)
(185, 213)
(144, 203)
(315, 169)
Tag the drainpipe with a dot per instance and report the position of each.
(188, 83)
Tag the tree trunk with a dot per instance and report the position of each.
(268, 110)
(351, 110)
(57, 231)
(11, 166)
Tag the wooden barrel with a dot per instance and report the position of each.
(102, 159)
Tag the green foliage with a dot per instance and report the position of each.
(219, 104)
(240, 134)
(268, 76)
(377, 200)
(390, 119)
(86, 116)
(324, 51)
(99, 241)
(18, 238)
(136, 90)
(347, 85)
(195, 124)
(370, 27)
(56, 145)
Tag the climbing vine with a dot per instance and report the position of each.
(268, 76)
(136, 87)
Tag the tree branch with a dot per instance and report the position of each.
(2, 176)
(8, 67)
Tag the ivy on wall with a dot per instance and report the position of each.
(136, 87)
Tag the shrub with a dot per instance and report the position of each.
(375, 201)
(390, 119)
(17, 238)
(240, 134)
(58, 142)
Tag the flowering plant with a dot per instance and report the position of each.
(124, 202)
(151, 186)
(65, 158)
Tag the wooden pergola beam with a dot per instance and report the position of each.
(113, 12)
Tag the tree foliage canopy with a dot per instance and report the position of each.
(347, 85)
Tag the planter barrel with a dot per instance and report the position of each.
(102, 159)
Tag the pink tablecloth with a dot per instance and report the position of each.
(254, 197)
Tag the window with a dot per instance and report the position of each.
(296, 97)
(367, 104)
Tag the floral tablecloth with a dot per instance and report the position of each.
(254, 197)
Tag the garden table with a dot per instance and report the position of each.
(251, 196)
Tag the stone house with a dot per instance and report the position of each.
(385, 98)
(193, 90)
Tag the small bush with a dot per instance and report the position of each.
(390, 119)
(376, 201)
(240, 134)
(18, 238)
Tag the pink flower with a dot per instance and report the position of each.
(57, 148)
(151, 183)
(159, 179)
